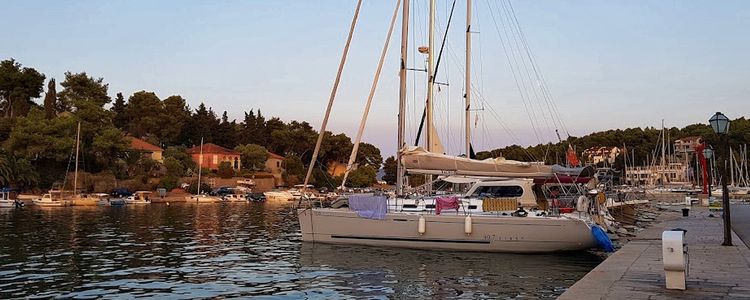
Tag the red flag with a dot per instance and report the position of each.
(572, 158)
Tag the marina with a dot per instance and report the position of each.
(427, 149)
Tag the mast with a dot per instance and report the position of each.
(200, 167)
(402, 97)
(332, 97)
(75, 175)
(663, 153)
(373, 88)
(468, 79)
(731, 165)
(430, 76)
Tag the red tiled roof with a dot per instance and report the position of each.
(274, 155)
(139, 144)
(211, 148)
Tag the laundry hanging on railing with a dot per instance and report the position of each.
(445, 203)
(369, 206)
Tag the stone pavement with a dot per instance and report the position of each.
(636, 270)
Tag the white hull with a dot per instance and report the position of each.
(7, 203)
(137, 202)
(202, 199)
(490, 233)
(55, 203)
(235, 198)
(278, 196)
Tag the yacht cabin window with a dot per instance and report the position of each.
(507, 191)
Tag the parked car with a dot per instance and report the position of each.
(120, 192)
(222, 191)
(256, 197)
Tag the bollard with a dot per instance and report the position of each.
(673, 256)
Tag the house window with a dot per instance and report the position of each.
(216, 159)
(278, 164)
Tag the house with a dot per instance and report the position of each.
(595, 155)
(148, 150)
(214, 155)
(685, 146)
(274, 166)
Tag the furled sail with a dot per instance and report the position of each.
(419, 161)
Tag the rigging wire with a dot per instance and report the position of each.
(508, 54)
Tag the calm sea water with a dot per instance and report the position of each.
(242, 250)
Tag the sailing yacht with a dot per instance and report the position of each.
(520, 222)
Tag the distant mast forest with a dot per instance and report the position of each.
(38, 131)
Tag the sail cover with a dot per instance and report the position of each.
(419, 161)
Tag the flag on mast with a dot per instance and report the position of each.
(572, 158)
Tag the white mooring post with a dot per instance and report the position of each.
(674, 253)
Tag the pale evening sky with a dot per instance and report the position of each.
(608, 64)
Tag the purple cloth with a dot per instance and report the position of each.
(368, 206)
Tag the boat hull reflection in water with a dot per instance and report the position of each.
(427, 274)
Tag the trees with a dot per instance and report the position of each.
(294, 170)
(253, 156)
(368, 154)
(50, 99)
(18, 85)
(144, 112)
(175, 117)
(225, 170)
(119, 119)
(363, 176)
(390, 168)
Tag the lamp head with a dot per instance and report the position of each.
(719, 123)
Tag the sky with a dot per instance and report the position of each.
(605, 64)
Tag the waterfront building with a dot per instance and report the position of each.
(596, 155)
(149, 150)
(274, 165)
(214, 155)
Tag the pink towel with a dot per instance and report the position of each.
(442, 203)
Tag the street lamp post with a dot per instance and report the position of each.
(708, 153)
(720, 125)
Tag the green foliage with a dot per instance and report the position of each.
(174, 167)
(175, 116)
(36, 138)
(391, 170)
(253, 156)
(17, 172)
(294, 170)
(225, 170)
(368, 154)
(143, 112)
(18, 85)
(50, 99)
(178, 153)
(108, 144)
(363, 176)
(169, 182)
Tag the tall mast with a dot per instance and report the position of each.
(200, 167)
(332, 96)
(402, 96)
(663, 155)
(75, 175)
(430, 76)
(468, 79)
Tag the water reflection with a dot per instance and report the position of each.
(241, 249)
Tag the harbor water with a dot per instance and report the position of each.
(241, 250)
